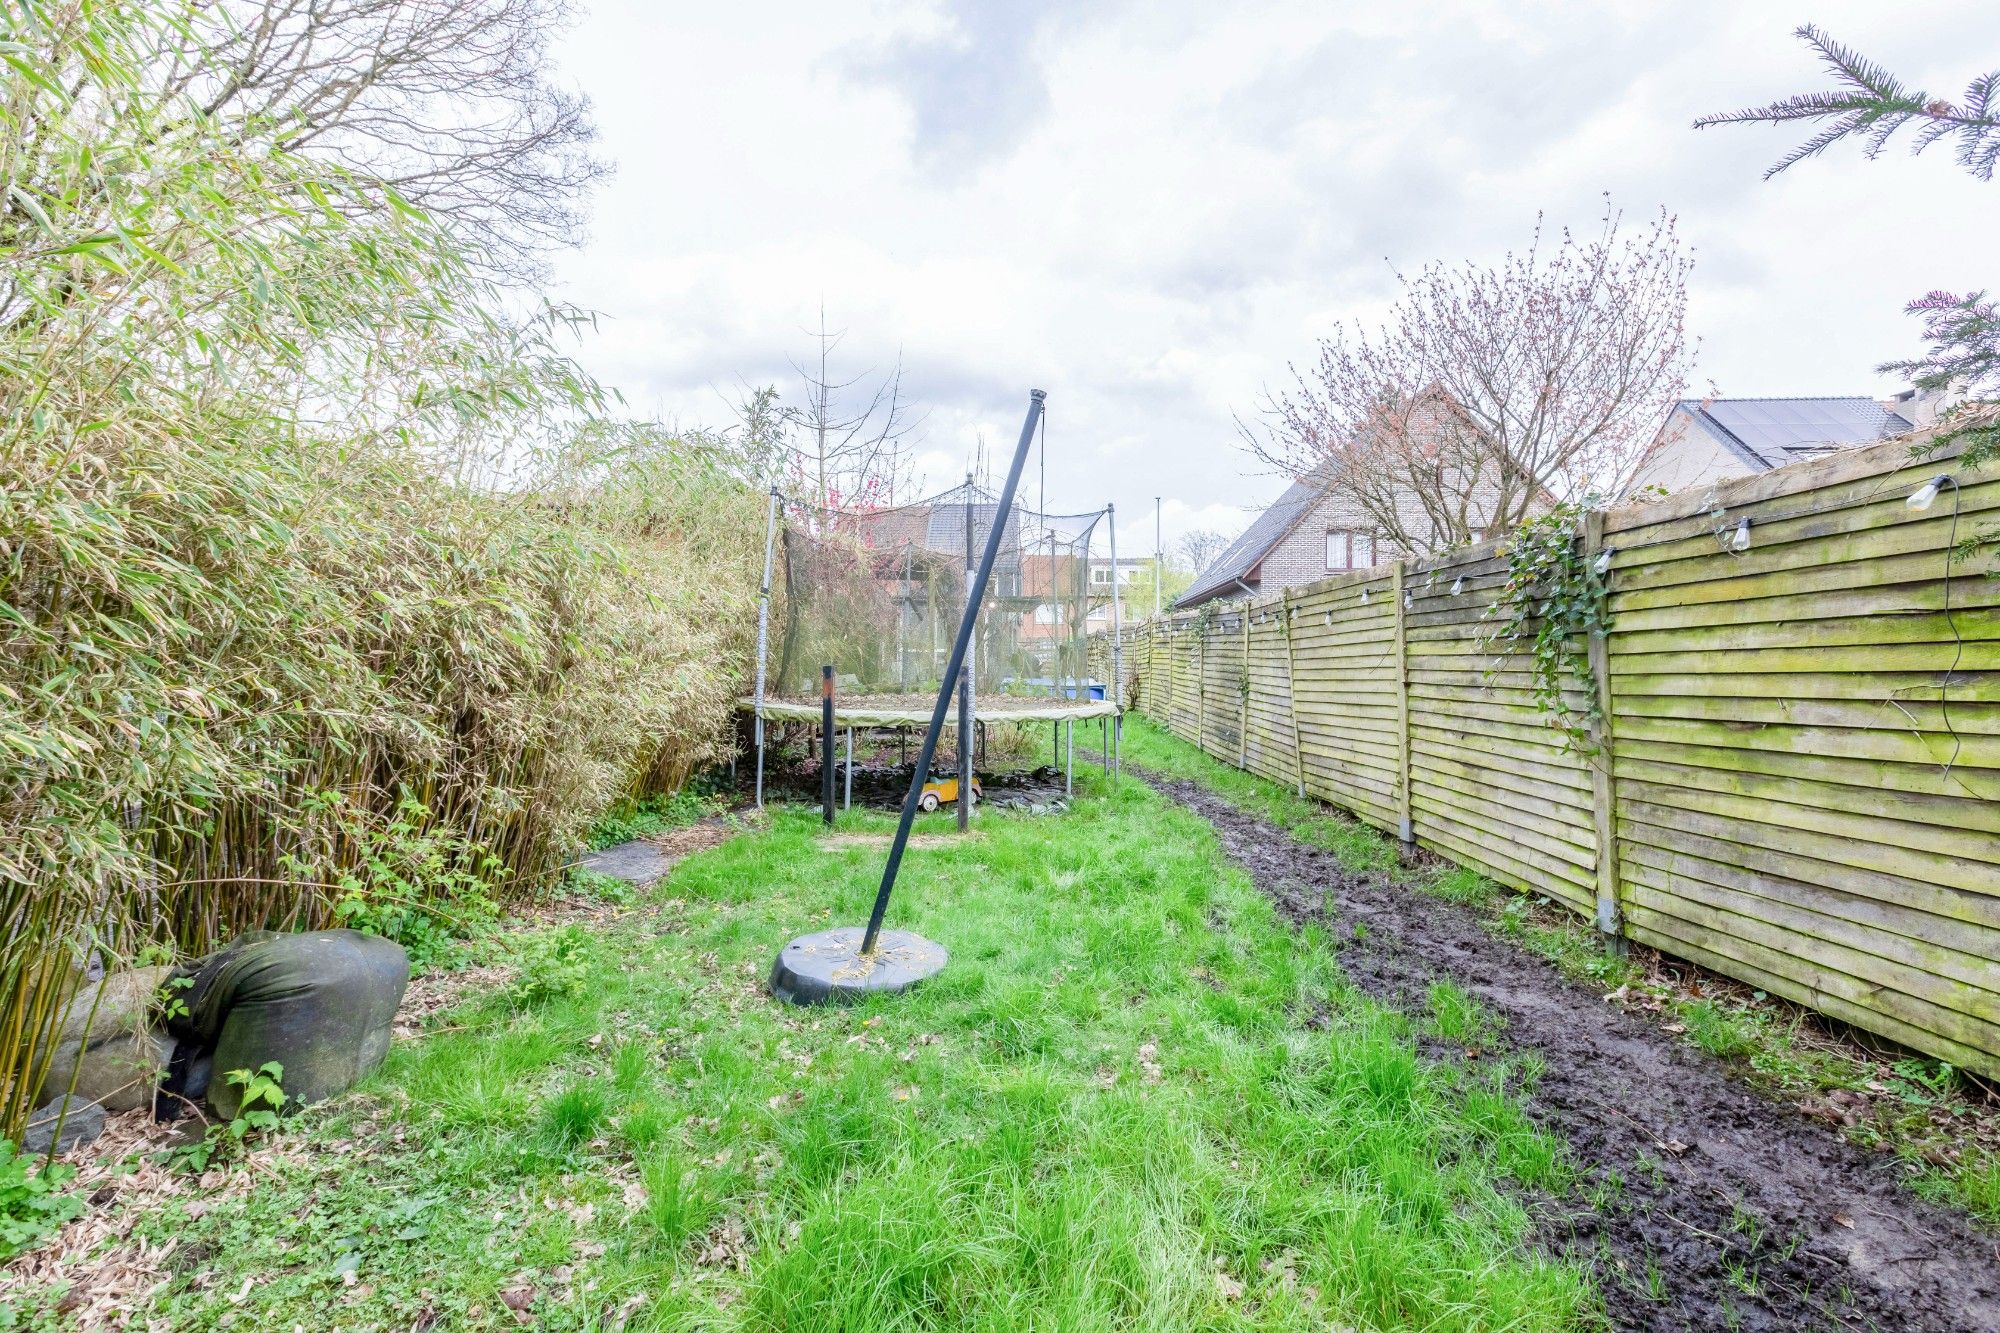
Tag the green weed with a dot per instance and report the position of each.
(550, 965)
(576, 1113)
(32, 1204)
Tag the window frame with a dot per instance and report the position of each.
(1346, 536)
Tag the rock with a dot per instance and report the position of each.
(82, 1123)
(105, 1045)
(320, 1003)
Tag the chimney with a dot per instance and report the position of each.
(1923, 408)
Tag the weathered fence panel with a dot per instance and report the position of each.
(1345, 665)
(1797, 777)
(1807, 741)
(1492, 783)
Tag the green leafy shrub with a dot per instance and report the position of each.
(550, 965)
(263, 1099)
(650, 816)
(1553, 603)
(32, 1204)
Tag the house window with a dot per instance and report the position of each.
(1048, 614)
(1100, 575)
(1349, 550)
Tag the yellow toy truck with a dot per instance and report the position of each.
(944, 791)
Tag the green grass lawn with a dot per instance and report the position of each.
(1134, 1099)
(1924, 1112)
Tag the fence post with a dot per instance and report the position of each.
(1405, 829)
(1243, 696)
(1292, 699)
(1201, 687)
(1603, 778)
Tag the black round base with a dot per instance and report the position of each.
(828, 967)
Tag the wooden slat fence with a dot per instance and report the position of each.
(1798, 779)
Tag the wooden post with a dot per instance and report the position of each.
(1292, 697)
(1201, 687)
(1405, 829)
(1243, 696)
(1603, 777)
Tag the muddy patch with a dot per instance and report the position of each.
(1723, 1209)
(882, 840)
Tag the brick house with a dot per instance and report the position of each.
(1306, 535)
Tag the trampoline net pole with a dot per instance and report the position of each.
(764, 633)
(1117, 646)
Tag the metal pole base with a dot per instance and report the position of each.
(829, 968)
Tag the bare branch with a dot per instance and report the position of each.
(448, 101)
(1491, 393)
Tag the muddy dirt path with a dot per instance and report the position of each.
(1752, 1216)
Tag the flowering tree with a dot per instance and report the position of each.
(1490, 393)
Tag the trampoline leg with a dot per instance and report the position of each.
(847, 795)
(1069, 764)
(1104, 743)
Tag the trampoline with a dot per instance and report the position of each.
(900, 711)
(875, 595)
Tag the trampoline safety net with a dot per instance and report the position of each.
(879, 592)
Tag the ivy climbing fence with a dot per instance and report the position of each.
(1781, 760)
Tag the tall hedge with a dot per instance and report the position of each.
(324, 590)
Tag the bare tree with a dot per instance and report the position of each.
(1490, 393)
(447, 101)
(1198, 549)
(850, 447)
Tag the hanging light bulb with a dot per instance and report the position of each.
(1602, 565)
(1741, 540)
(1458, 585)
(1408, 601)
(1364, 596)
(1924, 495)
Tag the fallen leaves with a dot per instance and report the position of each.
(105, 1271)
(726, 1246)
(1149, 1062)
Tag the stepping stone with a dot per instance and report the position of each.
(636, 862)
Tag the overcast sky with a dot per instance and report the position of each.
(1149, 209)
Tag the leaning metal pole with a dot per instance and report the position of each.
(964, 810)
(1117, 647)
(764, 632)
(957, 661)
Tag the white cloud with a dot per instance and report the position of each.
(1150, 210)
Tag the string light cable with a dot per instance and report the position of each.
(1920, 499)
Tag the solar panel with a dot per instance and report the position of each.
(1782, 429)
